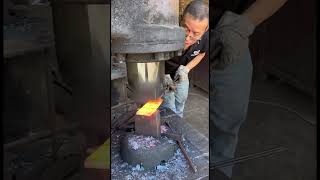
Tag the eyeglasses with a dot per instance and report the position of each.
(193, 37)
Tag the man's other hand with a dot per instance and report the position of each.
(182, 73)
(168, 83)
(232, 34)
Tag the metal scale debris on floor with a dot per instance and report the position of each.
(176, 167)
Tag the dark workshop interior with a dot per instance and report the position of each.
(56, 89)
(72, 88)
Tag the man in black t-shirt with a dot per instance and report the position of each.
(195, 21)
(233, 21)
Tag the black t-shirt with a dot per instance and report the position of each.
(201, 46)
(218, 7)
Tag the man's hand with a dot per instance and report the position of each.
(182, 73)
(168, 83)
(232, 35)
(167, 79)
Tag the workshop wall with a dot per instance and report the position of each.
(285, 46)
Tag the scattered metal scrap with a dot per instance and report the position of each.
(178, 138)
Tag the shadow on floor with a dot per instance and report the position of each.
(269, 126)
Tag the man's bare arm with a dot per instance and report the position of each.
(195, 61)
(261, 10)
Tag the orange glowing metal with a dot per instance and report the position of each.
(150, 107)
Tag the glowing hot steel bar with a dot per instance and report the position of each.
(147, 120)
(150, 107)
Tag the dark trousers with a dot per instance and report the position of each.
(228, 108)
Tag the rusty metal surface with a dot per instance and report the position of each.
(145, 26)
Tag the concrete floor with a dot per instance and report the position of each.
(268, 126)
(197, 110)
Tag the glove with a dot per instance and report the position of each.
(167, 80)
(231, 35)
(168, 83)
(182, 73)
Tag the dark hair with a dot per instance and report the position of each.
(197, 9)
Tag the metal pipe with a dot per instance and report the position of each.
(184, 152)
(187, 157)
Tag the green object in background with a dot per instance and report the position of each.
(100, 159)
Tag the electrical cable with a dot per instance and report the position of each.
(285, 108)
(58, 81)
(63, 86)
(242, 159)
